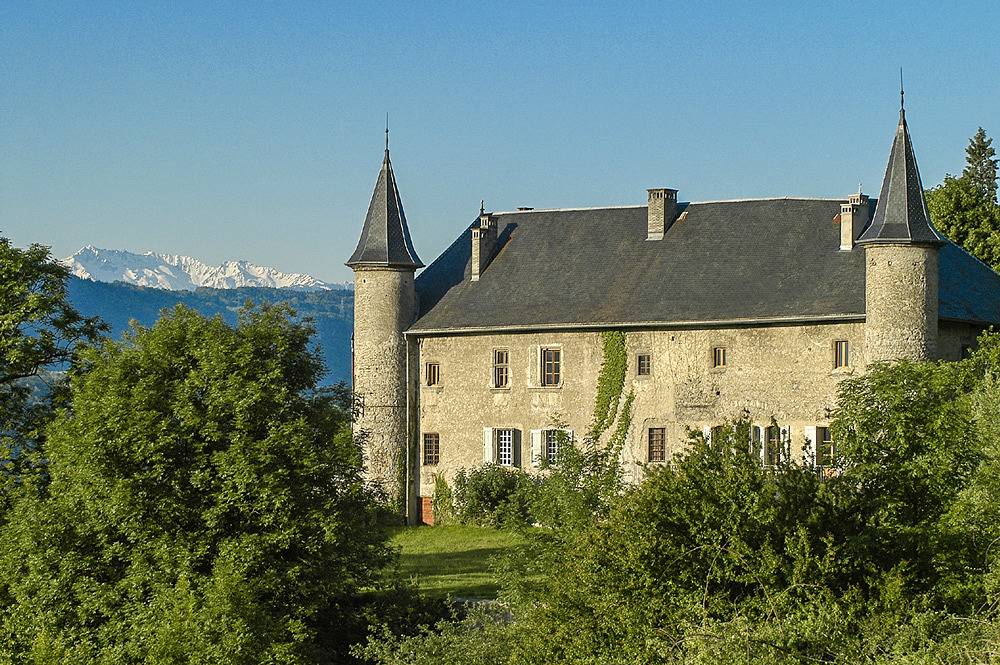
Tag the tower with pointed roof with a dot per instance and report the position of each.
(385, 305)
(901, 249)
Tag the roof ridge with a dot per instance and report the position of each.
(644, 205)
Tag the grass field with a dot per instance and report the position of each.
(453, 560)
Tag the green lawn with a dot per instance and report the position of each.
(453, 560)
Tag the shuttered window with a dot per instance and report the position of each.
(505, 447)
(719, 356)
(433, 374)
(841, 354)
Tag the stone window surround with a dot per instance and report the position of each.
(712, 357)
(847, 366)
(425, 379)
(649, 364)
(493, 368)
(536, 376)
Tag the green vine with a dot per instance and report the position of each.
(624, 421)
(610, 381)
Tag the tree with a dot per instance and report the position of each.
(981, 165)
(965, 209)
(204, 504)
(39, 331)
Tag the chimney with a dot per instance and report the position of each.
(854, 216)
(662, 212)
(484, 240)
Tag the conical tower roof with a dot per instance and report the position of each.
(385, 238)
(901, 214)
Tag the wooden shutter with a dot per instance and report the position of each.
(489, 446)
(515, 443)
(809, 450)
(536, 447)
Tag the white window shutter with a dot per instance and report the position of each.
(489, 450)
(707, 433)
(809, 450)
(536, 447)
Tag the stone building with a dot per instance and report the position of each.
(754, 308)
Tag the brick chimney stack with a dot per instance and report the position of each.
(484, 240)
(854, 216)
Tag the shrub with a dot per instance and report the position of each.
(494, 496)
(443, 504)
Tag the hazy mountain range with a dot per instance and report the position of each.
(183, 273)
(123, 286)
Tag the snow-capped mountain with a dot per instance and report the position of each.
(182, 273)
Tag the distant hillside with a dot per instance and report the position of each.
(332, 311)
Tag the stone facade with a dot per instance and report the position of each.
(384, 306)
(901, 301)
(782, 372)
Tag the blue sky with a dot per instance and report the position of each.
(254, 130)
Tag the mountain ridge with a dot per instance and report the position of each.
(177, 272)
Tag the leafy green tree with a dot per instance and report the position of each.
(981, 165)
(204, 504)
(965, 209)
(39, 331)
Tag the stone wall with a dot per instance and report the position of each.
(785, 372)
(901, 302)
(384, 306)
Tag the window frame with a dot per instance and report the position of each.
(550, 445)
(720, 353)
(498, 439)
(431, 458)
(771, 453)
(841, 361)
(639, 359)
(543, 373)
(436, 374)
(498, 367)
(661, 448)
(826, 449)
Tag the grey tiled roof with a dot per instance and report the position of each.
(775, 259)
(901, 214)
(385, 238)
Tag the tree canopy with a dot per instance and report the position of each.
(202, 502)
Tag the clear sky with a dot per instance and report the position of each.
(254, 129)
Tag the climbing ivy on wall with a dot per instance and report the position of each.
(610, 382)
(621, 431)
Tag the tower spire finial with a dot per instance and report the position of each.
(387, 131)
(901, 107)
(482, 207)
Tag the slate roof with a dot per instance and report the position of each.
(722, 263)
(385, 238)
(901, 214)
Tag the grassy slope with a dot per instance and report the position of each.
(453, 560)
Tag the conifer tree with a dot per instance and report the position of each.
(981, 165)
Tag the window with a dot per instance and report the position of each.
(824, 447)
(772, 446)
(715, 436)
(841, 354)
(433, 374)
(719, 356)
(432, 449)
(505, 447)
(552, 445)
(551, 367)
(657, 444)
(501, 368)
(643, 365)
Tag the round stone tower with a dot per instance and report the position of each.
(901, 263)
(385, 304)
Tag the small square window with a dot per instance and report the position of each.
(841, 354)
(825, 450)
(433, 374)
(551, 367)
(657, 444)
(719, 356)
(501, 368)
(432, 449)
(644, 364)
